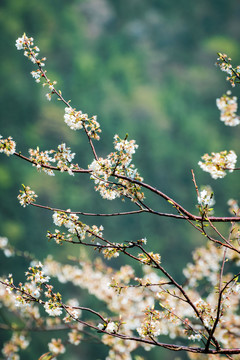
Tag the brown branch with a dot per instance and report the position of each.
(91, 143)
(89, 214)
(219, 302)
(133, 338)
(188, 300)
(50, 167)
(203, 232)
(219, 234)
(180, 208)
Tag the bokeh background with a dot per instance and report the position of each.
(146, 68)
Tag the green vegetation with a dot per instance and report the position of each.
(146, 68)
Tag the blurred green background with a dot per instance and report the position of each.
(146, 68)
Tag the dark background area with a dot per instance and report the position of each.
(146, 68)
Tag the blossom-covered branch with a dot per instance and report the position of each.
(202, 307)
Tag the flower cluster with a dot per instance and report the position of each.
(7, 146)
(18, 299)
(135, 304)
(111, 327)
(52, 309)
(217, 163)
(224, 62)
(77, 120)
(152, 324)
(74, 226)
(119, 349)
(19, 302)
(26, 43)
(23, 42)
(63, 157)
(59, 237)
(36, 274)
(126, 149)
(117, 164)
(43, 159)
(195, 336)
(74, 119)
(206, 311)
(17, 342)
(228, 107)
(74, 337)
(110, 252)
(73, 311)
(233, 206)
(206, 264)
(26, 196)
(36, 75)
(7, 249)
(32, 52)
(56, 347)
(150, 258)
(92, 127)
(71, 222)
(205, 198)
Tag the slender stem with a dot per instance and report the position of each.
(91, 143)
(50, 167)
(89, 214)
(219, 302)
(219, 234)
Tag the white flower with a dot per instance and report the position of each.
(237, 288)
(3, 242)
(65, 153)
(41, 278)
(74, 313)
(228, 108)
(20, 42)
(234, 207)
(26, 196)
(100, 326)
(144, 240)
(205, 199)
(74, 119)
(52, 309)
(36, 293)
(7, 146)
(56, 347)
(125, 145)
(48, 96)
(20, 303)
(111, 327)
(195, 337)
(36, 75)
(39, 265)
(23, 42)
(8, 252)
(74, 337)
(217, 163)
(231, 159)
(58, 219)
